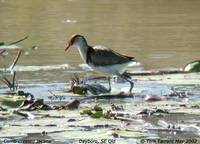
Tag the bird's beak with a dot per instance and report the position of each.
(68, 45)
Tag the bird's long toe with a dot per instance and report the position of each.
(131, 86)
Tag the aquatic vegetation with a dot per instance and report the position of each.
(12, 85)
(193, 66)
(155, 109)
(95, 112)
(4, 46)
(80, 87)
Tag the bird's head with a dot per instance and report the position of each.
(75, 40)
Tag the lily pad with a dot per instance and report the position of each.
(95, 134)
(126, 133)
(11, 101)
(193, 66)
(97, 114)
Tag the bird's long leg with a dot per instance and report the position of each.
(109, 83)
(127, 78)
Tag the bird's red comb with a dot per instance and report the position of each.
(70, 41)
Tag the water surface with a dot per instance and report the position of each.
(158, 33)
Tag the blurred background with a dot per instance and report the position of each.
(158, 33)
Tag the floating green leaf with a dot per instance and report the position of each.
(11, 101)
(97, 114)
(89, 112)
(193, 66)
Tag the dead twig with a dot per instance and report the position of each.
(15, 60)
(2, 51)
(18, 41)
(11, 85)
(6, 82)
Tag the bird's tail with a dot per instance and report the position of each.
(134, 63)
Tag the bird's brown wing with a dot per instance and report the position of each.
(100, 55)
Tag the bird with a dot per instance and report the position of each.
(101, 58)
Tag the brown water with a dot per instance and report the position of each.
(158, 33)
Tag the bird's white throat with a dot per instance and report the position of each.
(82, 46)
(83, 52)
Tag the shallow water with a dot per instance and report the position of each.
(134, 129)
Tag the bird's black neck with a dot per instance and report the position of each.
(88, 56)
